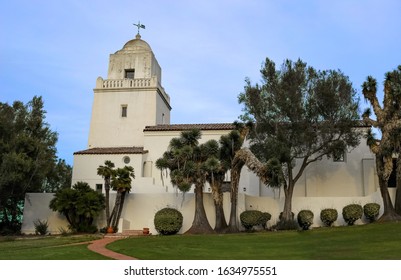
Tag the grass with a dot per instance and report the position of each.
(373, 241)
(48, 248)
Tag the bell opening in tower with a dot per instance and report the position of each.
(130, 73)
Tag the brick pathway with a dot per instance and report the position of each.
(99, 246)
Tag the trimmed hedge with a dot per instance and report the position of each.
(264, 218)
(168, 221)
(251, 218)
(328, 216)
(305, 219)
(371, 211)
(351, 213)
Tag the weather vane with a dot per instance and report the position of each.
(139, 25)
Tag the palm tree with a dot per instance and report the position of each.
(388, 121)
(230, 145)
(185, 160)
(120, 182)
(107, 171)
(236, 157)
(215, 174)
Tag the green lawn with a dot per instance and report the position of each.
(47, 248)
(374, 241)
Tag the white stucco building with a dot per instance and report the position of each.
(130, 125)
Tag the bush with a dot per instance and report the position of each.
(41, 227)
(371, 211)
(168, 221)
(80, 205)
(351, 213)
(328, 216)
(305, 219)
(264, 218)
(251, 218)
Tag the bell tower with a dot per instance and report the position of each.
(131, 98)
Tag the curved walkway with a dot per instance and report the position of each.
(99, 246)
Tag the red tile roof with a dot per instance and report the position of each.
(181, 127)
(112, 150)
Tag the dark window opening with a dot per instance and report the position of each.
(130, 74)
(99, 187)
(124, 109)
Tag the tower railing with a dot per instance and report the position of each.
(130, 84)
(126, 83)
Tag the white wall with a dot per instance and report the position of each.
(37, 207)
(139, 209)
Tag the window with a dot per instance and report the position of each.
(126, 159)
(99, 187)
(124, 109)
(129, 74)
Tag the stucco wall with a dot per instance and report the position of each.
(139, 209)
(37, 207)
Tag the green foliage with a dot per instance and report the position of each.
(328, 216)
(264, 218)
(299, 113)
(28, 161)
(305, 219)
(371, 211)
(251, 218)
(121, 182)
(186, 161)
(59, 177)
(351, 213)
(168, 221)
(41, 227)
(80, 205)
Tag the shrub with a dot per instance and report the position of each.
(264, 218)
(305, 219)
(351, 213)
(328, 216)
(250, 218)
(80, 205)
(41, 227)
(168, 221)
(371, 211)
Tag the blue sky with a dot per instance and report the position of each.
(57, 49)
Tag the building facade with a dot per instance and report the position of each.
(130, 125)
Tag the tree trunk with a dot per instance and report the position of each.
(107, 201)
(120, 208)
(389, 213)
(200, 224)
(115, 210)
(242, 157)
(287, 216)
(235, 177)
(397, 202)
(220, 224)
